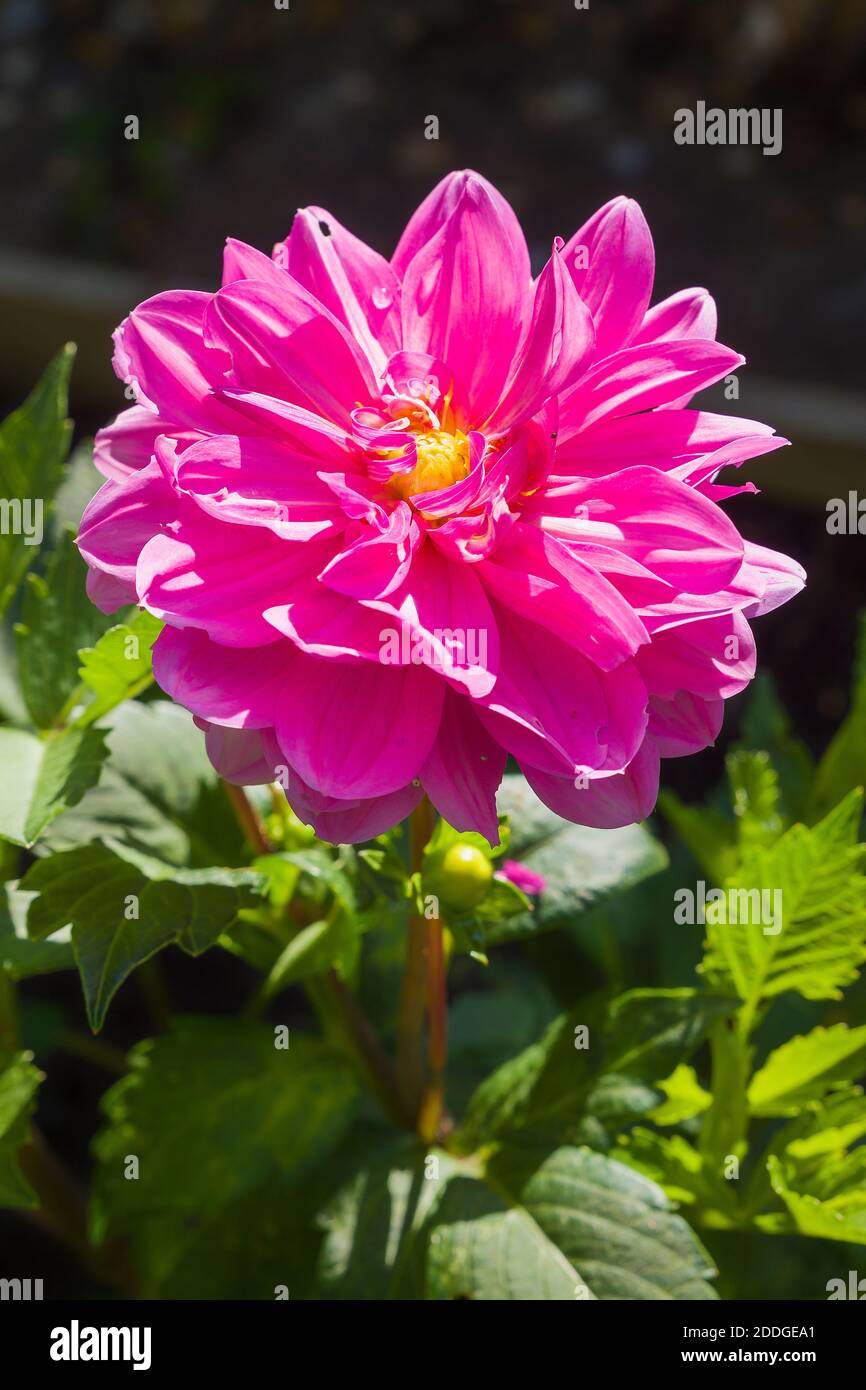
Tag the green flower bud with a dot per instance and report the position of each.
(465, 876)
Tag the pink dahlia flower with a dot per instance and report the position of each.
(403, 518)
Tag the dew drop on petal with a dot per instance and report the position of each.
(382, 297)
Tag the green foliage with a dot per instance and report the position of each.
(124, 907)
(19, 1081)
(158, 792)
(817, 940)
(581, 867)
(57, 620)
(545, 1089)
(806, 1069)
(590, 1127)
(33, 444)
(118, 667)
(226, 1127)
(42, 777)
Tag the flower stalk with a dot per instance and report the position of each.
(336, 1006)
(413, 997)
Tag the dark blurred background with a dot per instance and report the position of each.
(247, 111)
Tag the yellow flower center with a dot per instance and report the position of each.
(443, 459)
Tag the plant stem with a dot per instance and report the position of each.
(433, 1104)
(338, 1009)
(248, 819)
(410, 1017)
(62, 1212)
(8, 1013)
(340, 1013)
(94, 1050)
(156, 995)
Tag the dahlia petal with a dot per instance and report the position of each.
(553, 709)
(466, 295)
(322, 622)
(374, 564)
(639, 378)
(221, 578)
(160, 352)
(432, 214)
(712, 657)
(666, 526)
(612, 263)
(283, 343)
(606, 803)
(686, 314)
(334, 750)
(538, 577)
(107, 592)
(664, 439)
(121, 518)
(783, 578)
(699, 473)
(441, 614)
(464, 769)
(558, 343)
(211, 682)
(349, 278)
(299, 429)
(257, 482)
(127, 444)
(686, 724)
(244, 757)
(244, 262)
(349, 823)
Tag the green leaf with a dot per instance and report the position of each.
(248, 1248)
(843, 1219)
(57, 618)
(523, 1225)
(685, 1098)
(223, 1123)
(42, 777)
(118, 667)
(33, 443)
(158, 792)
(819, 943)
(486, 1027)
(567, 1225)
(333, 941)
(581, 866)
(816, 1165)
(682, 1172)
(20, 957)
(755, 794)
(806, 1068)
(124, 907)
(544, 1089)
(19, 1081)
